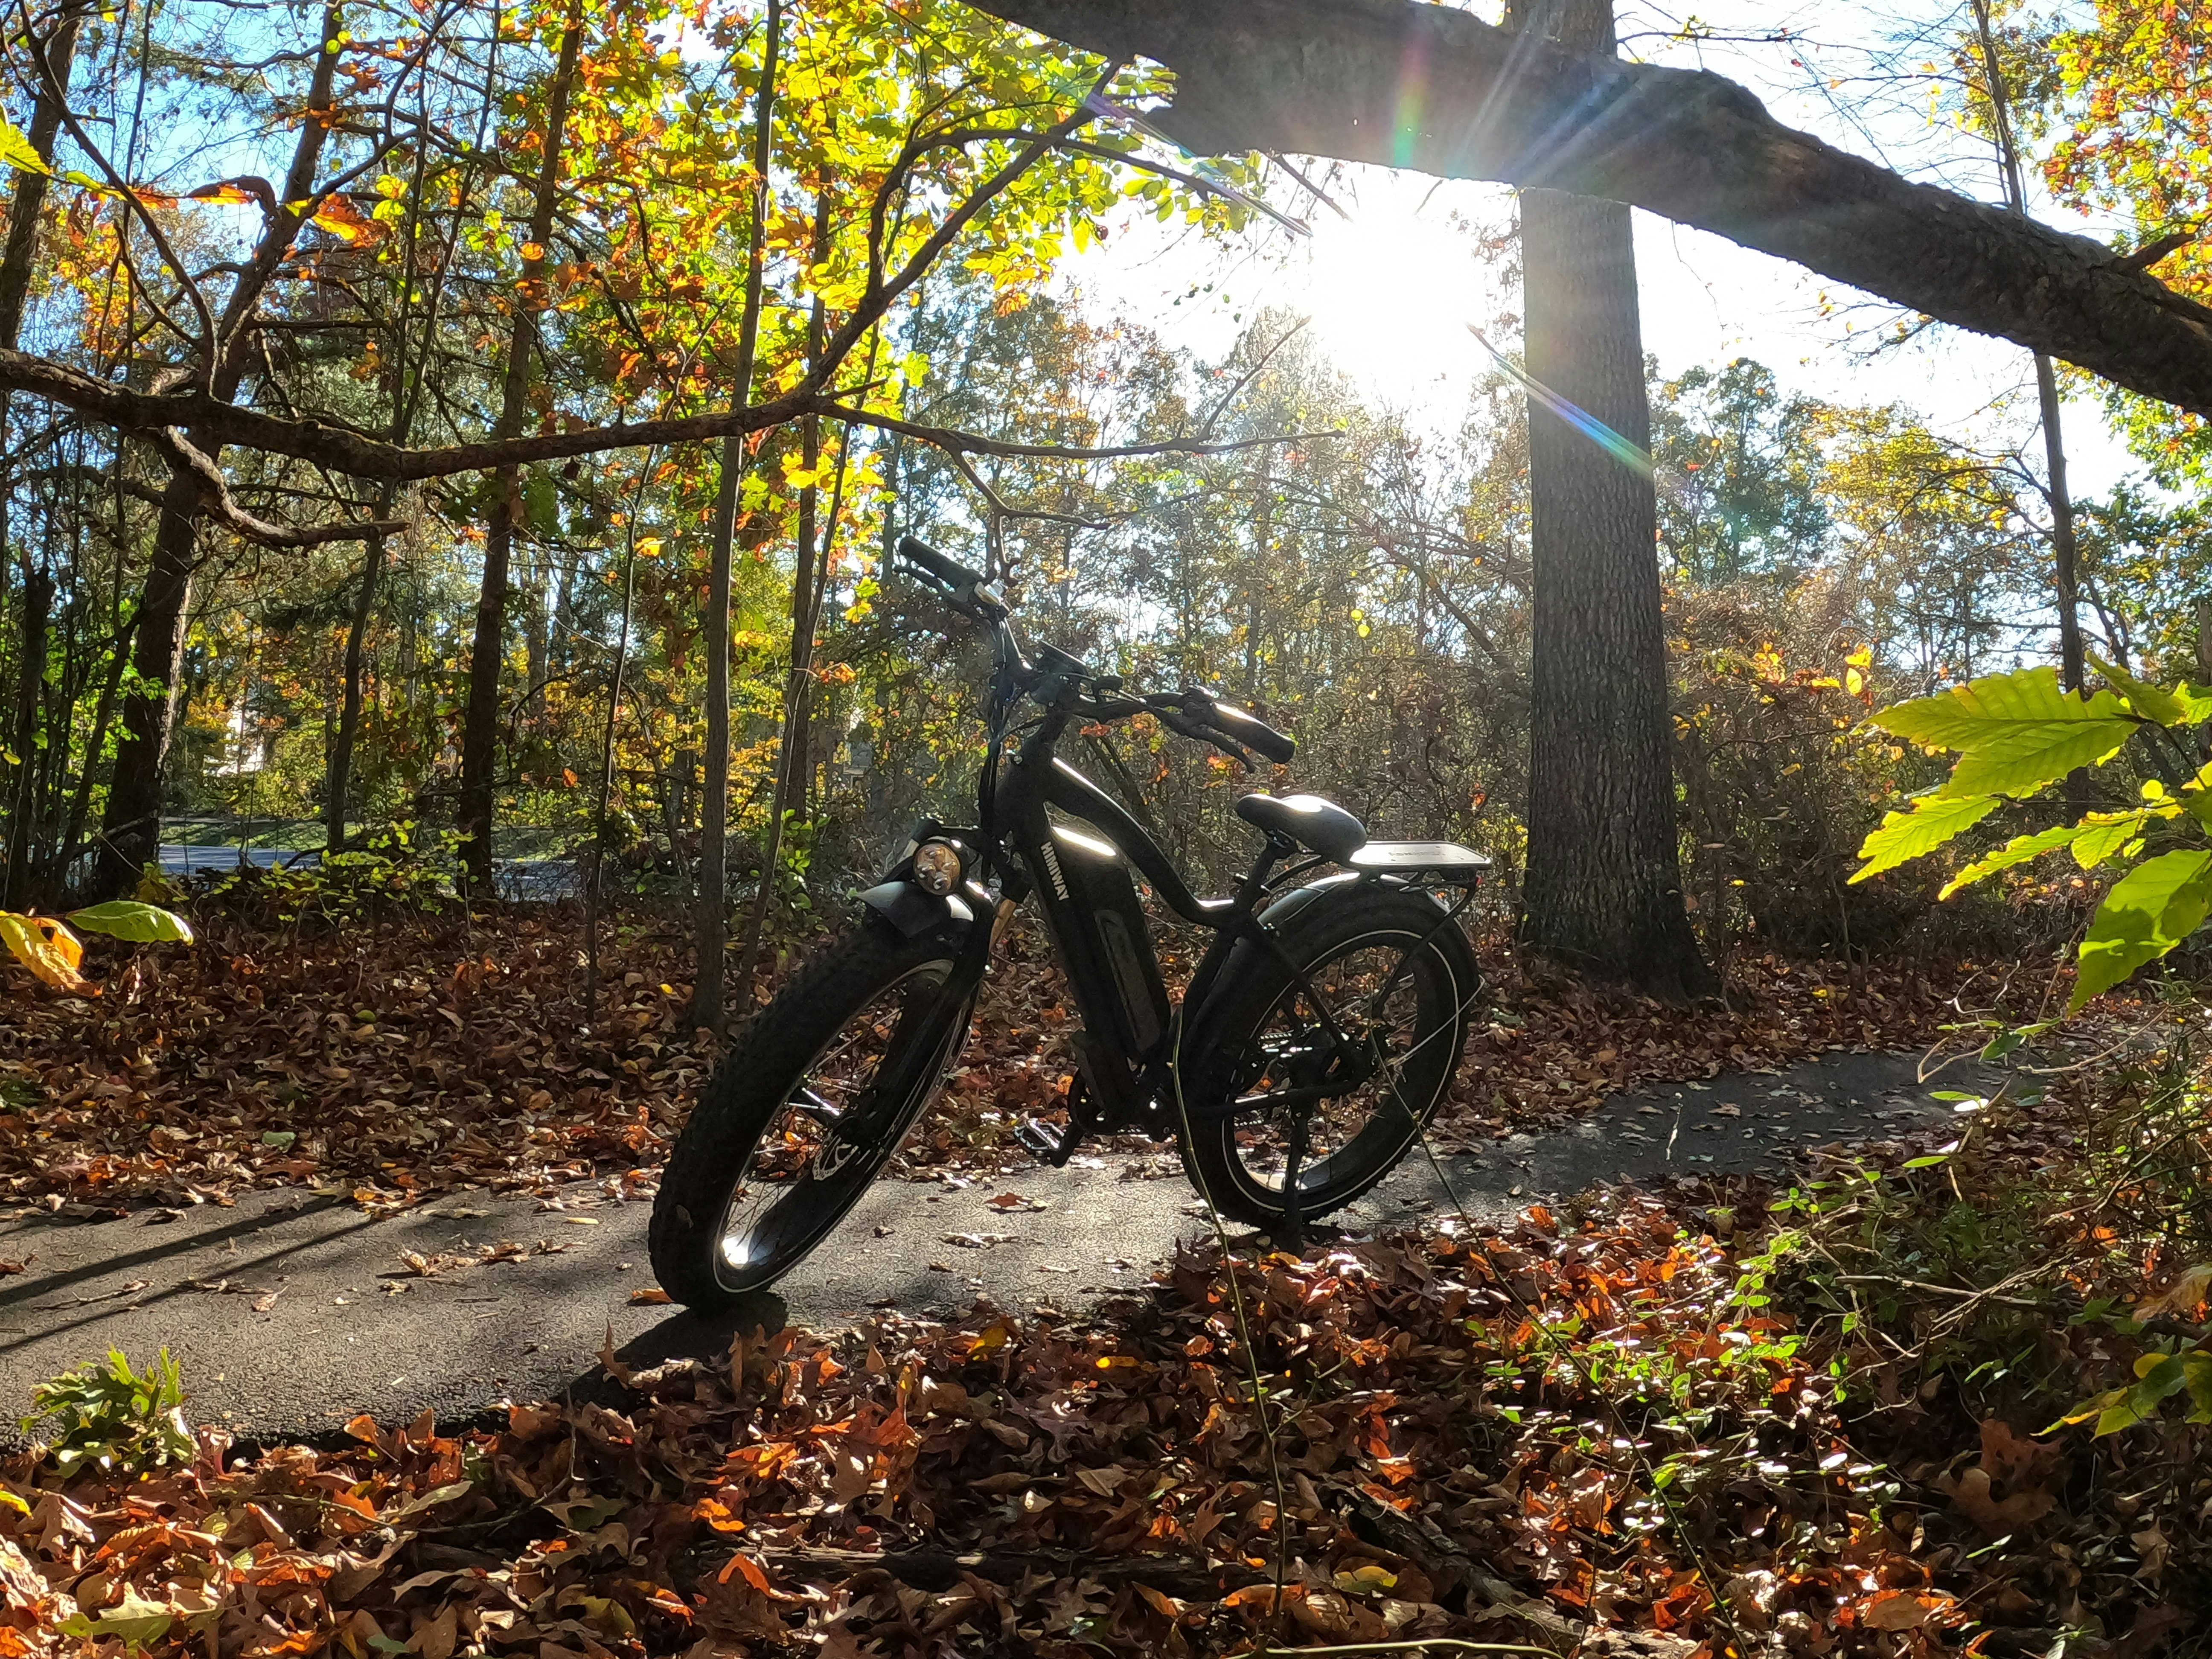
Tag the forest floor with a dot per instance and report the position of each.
(1809, 1413)
(292, 1312)
(419, 1055)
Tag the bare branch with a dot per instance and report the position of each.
(215, 500)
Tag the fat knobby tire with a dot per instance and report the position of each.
(755, 1078)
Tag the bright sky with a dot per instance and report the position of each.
(1391, 288)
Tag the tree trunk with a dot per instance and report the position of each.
(788, 799)
(1604, 886)
(480, 719)
(130, 832)
(340, 784)
(36, 601)
(58, 50)
(537, 624)
(708, 999)
(2065, 580)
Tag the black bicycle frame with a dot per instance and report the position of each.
(1127, 1045)
(1105, 949)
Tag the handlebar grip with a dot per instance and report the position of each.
(928, 558)
(1251, 731)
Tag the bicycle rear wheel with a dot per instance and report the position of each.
(1399, 989)
(806, 1108)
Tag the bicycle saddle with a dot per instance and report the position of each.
(1319, 825)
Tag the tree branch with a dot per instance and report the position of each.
(215, 500)
(1336, 77)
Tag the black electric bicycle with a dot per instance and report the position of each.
(1319, 1034)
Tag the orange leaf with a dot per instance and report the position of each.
(745, 1564)
(1898, 1610)
(343, 221)
(1160, 1603)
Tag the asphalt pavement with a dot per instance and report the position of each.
(291, 1312)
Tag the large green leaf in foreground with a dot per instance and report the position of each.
(2151, 909)
(2015, 733)
(1933, 820)
(127, 919)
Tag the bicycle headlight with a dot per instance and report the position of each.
(937, 867)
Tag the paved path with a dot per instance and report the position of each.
(290, 1315)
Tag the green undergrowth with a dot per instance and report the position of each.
(2015, 1318)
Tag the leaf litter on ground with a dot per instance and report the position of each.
(405, 1059)
(1587, 1432)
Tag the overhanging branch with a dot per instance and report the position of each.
(1408, 84)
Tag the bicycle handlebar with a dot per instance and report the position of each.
(1194, 712)
(926, 558)
(1242, 724)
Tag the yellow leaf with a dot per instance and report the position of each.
(48, 950)
(343, 221)
(15, 151)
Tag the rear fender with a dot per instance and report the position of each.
(1248, 959)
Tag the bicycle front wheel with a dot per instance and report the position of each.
(1388, 992)
(809, 1104)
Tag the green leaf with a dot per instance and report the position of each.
(2016, 733)
(127, 919)
(2198, 1372)
(2113, 1418)
(2160, 1376)
(2100, 835)
(15, 151)
(2151, 909)
(1933, 820)
(541, 504)
(2183, 706)
(139, 1622)
(2019, 850)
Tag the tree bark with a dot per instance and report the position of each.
(2064, 577)
(1408, 84)
(339, 786)
(1604, 886)
(480, 719)
(788, 799)
(58, 50)
(36, 601)
(130, 832)
(708, 996)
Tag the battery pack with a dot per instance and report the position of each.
(1099, 926)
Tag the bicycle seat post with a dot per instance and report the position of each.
(1272, 851)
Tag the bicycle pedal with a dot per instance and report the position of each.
(1045, 1146)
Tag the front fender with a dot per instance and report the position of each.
(904, 905)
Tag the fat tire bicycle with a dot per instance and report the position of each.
(1318, 1034)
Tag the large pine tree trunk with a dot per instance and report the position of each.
(1604, 887)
